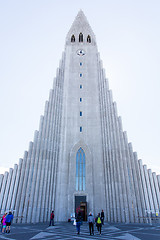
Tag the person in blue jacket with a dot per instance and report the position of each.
(9, 219)
(78, 222)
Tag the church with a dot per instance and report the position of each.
(80, 158)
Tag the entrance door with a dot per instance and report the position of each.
(81, 205)
(83, 209)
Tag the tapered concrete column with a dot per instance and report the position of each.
(117, 168)
(123, 195)
(10, 194)
(106, 156)
(111, 162)
(7, 189)
(16, 185)
(35, 187)
(103, 92)
(51, 159)
(24, 186)
(139, 182)
(3, 188)
(50, 156)
(42, 203)
(157, 191)
(39, 188)
(156, 208)
(33, 170)
(18, 197)
(122, 189)
(127, 201)
(54, 151)
(132, 201)
(148, 188)
(1, 180)
(144, 188)
(114, 167)
(27, 180)
(158, 180)
(133, 158)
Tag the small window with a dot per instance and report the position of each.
(80, 114)
(80, 37)
(89, 39)
(80, 86)
(73, 38)
(80, 63)
(80, 99)
(80, 129)
(80, 74)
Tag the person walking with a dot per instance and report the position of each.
(78, 222)
(102, 217)
(99, 223)
(4, 223)
(9, 219)
(91, 223)
(51, 219)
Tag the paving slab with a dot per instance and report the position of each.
(67, 231)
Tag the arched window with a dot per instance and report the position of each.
(80, 37)
(80, 170)
(89, 39)
(73, 38)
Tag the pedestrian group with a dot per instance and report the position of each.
(6, 222)
(99, 220)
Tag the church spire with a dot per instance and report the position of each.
(81, 31)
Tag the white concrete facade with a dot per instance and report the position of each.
(80, 114)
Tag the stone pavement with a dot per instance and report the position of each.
(67, 231)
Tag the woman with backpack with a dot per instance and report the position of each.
(99, 223)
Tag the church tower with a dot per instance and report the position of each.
(81, 172)
(80, 158)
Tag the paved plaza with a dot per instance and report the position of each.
(68, 232)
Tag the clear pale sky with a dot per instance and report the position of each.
(32, 39)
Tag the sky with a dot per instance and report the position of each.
(32, 39)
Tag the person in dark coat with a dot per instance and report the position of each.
(102, 217)
(51, 219)
(78, 222)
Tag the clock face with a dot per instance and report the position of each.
(81, 52)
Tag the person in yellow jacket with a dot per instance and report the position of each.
(99, 223)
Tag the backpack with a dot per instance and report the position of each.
(99, 220)
(52, 216)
